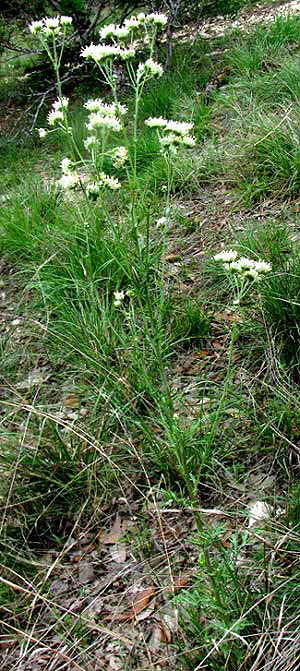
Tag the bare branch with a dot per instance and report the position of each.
(54, 4)
(96, 18)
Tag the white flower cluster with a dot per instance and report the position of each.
(172, 133)
(155, 18)
(111, 182)
(114, 109)
(120, 296)
(57, 112)
(102, 52)
(69, 179)
(172, 140)
(50, 26)
(92, 190)
(227, 256)
(102, 115)
(119, 157)
(149, 69)
(97, 120)
(131, 25)
(156, 122)
(110, 31)
(162, 221)
(55, 115)
(91, 142)
(243, 266)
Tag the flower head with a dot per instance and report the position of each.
(119, 297)
(36, 27)
(111, 182)
(245, 263)
(149, 69)
(97, 120)
(134, 22)
(156, 19)
(66, 166)
(172, 140)
(126, 54)
(42, 132)
(92, 190)
(251, 273)
(61, 103)
(51, 26)
(90, 142)
(69, 181)
(107, 31)
(66, 20)
(122, 32)
(226, 256)
(263, 267)
(156, 122)
(55, 116)
(100, 52)
(179, 127)
(161, 222)
(105, 109)
(119, 156)
(244, 266)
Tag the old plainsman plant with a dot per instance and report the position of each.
(106, 119)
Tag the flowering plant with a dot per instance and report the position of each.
(105, 120)
(241, 272)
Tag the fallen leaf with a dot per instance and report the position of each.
(172, 257)
(142, 599)
(170, 620)
(217, 344)
(71, 401)
(203, 354)
(59, 586)
(145, 613)
(117, 531)
(155, 639)
(138, 605)
(85, 573)
(165, 634)
(118, 553)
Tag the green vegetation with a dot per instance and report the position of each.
(150, 357)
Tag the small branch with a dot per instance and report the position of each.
(40, 105)
(96, 18)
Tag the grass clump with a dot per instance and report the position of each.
(281, 302)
